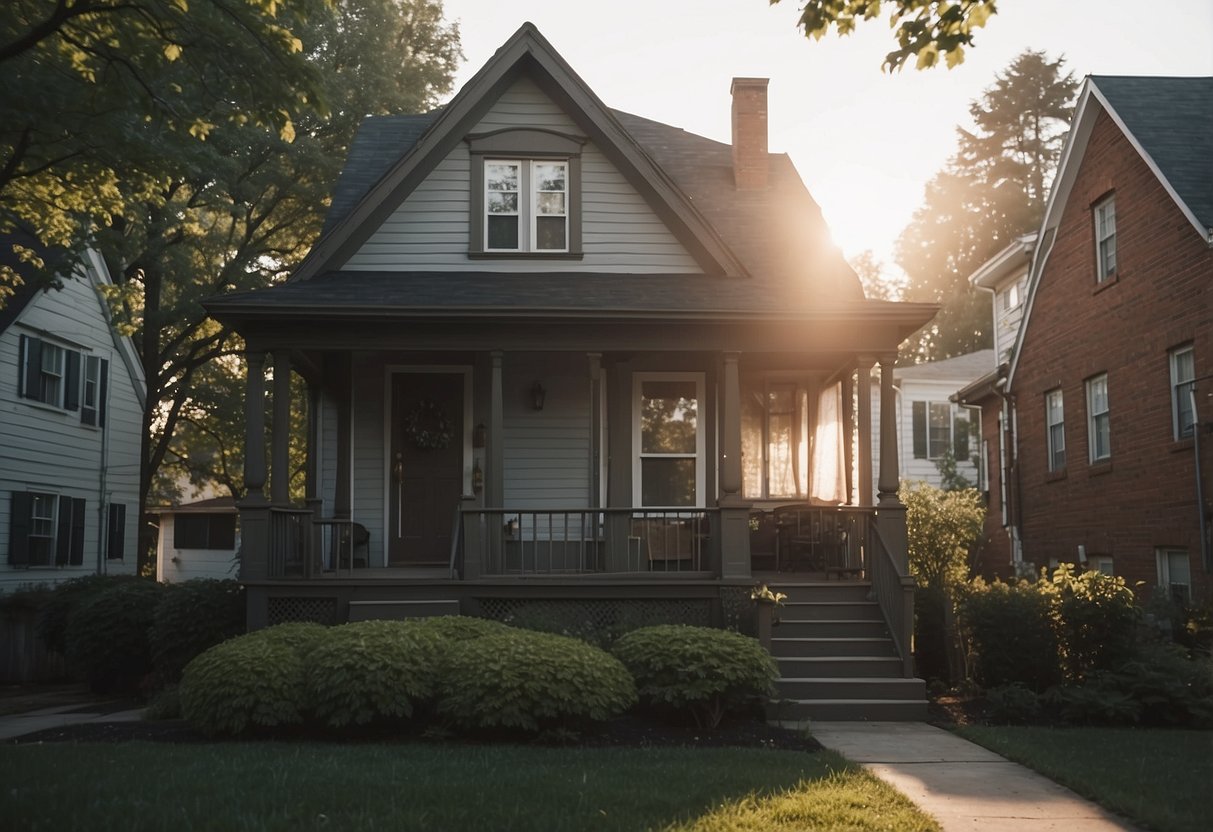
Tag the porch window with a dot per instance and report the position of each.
(775, 440)
(668, 434)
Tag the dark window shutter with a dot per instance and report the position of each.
(115, 549)
(76, 557)
(223, 531)
(31, 350)
(63, 533)
(18, 527)
(71, 380)
(103, 382)
(960, 438)
(920, 430)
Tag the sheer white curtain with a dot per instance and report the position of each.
(829, 479)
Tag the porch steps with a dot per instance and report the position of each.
(836, 658)
(400, 610)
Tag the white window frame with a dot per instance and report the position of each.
(950, 442)
(1167, 580)
(528, 205)
(802, 424)
(1105, 239)
(1101, 563)
(1097, 419)
(52, 519)
(700, 455)
(1181, 383)
(1011, 296)
(1056, 448)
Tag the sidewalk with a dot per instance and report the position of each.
(18, 725)
(962, 785)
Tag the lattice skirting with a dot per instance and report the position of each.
(597, 620)
(319, 610)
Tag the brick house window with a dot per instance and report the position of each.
(1183, 375)
(1174, 574)
(1099, 419)
(1105, 240)
(1055, 424)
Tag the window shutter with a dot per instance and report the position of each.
(960, 438)
(920, 430)
(115, 548)
(63, 532)
(76, 557)
(31, 350)
(71, 380)
(103, 382)
(222, 532)
(18, 527)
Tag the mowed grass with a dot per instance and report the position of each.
(1160, 778)
(304, 786)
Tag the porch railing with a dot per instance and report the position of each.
(505, 542)
(303, 545)
(895, 593)
(807, 538)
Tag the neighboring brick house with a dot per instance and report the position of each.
(1118, 329)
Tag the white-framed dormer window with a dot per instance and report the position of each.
(1010, 297)
(668, 437)
(1099, 419)
(1055, 424)
(1105, 240)
(1183, 378)
(1174, 574)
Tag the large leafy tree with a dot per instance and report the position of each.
(926, 30)
(992, 190)
(239, 211)
(96, 92)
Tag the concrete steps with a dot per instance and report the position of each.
(836, 658)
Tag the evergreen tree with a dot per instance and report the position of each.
(992, 190)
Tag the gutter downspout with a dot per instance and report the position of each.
(103, 410)
(1010, 459)
(1206, 557)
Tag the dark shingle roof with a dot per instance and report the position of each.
(1172, 119)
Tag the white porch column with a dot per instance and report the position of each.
(280, 479)
(864, 389)
(890, 477)
(495, 482)
(730, 429)
(254, 428)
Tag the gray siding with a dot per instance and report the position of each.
(328, 455)
(43, 448)
(429, 230)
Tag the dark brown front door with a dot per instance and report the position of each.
(425, 467)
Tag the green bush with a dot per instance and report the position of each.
(65, 598)
(531, 682)
(1157, 686)
(251, 681)
(458, 627)
(191, 617)
(107, 635)
(1013, 704)
(166, 704)
(698, 668)
(1012, 634)
(300, 636)
(562, 618)
(371, 671)
(1098, 617)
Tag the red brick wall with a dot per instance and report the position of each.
(1162, 297)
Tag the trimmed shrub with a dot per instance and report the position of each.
(1098, 617)
(191, 617)
(254, 681)
(1012, 634)
(1158, 686)
(531, 682)
(1013, 704)
(107, 635)
(458, 627)
(65, 598)
(300, 636)
(562, 618)
(371, 671)
(698, 668)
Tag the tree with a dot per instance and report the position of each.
(925, 29)
(992, 190)
(240, 210)
(96, 89)
(877, 284)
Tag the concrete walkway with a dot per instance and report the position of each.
(962, 785)
(18, 725)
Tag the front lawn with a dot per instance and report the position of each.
(1158, 777)
(254, 786)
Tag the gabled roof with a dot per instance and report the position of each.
(962, 367)
(1005, 263)
(526, 52)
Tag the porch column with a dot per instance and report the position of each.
(254, 510)
(848, 434)
(312, 484)
(734, 510)
(341, 374)
(864, 388)
(891, 513)
(280, 481)
(495, 482)
(595, 359)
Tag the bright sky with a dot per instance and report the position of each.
(865, 142)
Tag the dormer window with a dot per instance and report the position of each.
(526, 194)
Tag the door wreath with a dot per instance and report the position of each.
(428, 427)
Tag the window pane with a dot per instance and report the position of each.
(752, 415)
(669, 414)
(501, 177)
(549, 176)
(667, 482)
(1183, 373)
(550, 204)
(550, 234)
(501, 203)
(503, 232)
(781, 407)
(939, 434)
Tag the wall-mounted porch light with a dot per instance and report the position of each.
(538, 395)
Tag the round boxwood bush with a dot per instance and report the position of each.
(698, 668)
(371, 671)
(459, 627)
(107, 635)
(65, 598)
(531, 681)
(300, 636)
(251, 681)
(191, 617)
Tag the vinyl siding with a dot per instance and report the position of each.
(429, 230)
(43, 448)
(219, 564)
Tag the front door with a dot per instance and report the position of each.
(425, 479)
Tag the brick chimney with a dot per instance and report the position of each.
(750, 132)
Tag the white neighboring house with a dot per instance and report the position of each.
(1005, 277)
(71, 402)
(930, 424)
(198, 540)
